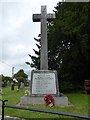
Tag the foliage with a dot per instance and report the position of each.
(68, 51)
(35, 59)
(21, 76)
(68, 43)
(20, 79)
(5, 79)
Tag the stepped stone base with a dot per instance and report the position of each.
(30, 100)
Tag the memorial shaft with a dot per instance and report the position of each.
(44, 47)
(43, 18)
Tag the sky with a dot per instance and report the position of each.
(17, 32)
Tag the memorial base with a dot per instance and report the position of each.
(33, 100)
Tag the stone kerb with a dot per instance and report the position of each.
(39, 100)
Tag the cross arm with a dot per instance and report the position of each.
(50, 17)
(37, 17)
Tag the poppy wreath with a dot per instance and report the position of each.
(49, 100)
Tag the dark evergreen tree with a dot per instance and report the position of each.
(21, 76)
(35, 59)
(68, 41)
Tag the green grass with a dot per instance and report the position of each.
(79, 101)
(13, 97)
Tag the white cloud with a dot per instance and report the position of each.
(17, 32)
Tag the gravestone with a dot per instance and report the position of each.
(44, 81)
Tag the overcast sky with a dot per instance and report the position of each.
(17, 32)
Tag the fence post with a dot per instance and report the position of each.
(3, 103)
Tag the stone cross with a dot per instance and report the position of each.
(43, 18)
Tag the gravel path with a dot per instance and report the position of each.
(11, 118)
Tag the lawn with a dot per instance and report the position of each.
(79, 105)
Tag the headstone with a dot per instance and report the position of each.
(8, 83)
(22, 85)
(12, 86)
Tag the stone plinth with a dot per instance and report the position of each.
(39, 100)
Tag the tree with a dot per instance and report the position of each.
(21, 76)
(68, 37)
(4, 80)
(35, 59)
(68, 43)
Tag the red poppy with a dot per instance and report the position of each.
(49, 100)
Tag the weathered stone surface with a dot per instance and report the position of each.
(43, 18)
(31, 100)
(44, 82)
